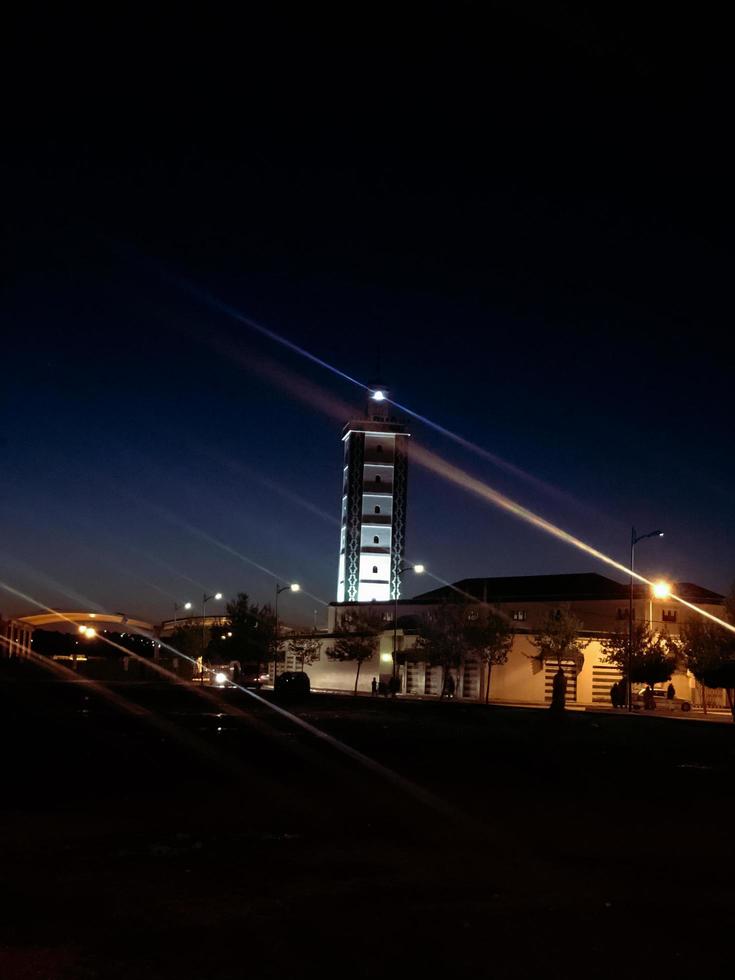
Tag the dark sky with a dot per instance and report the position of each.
(527, 208)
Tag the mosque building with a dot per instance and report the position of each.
(371, 559)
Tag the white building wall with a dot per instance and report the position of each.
(521, 680)
(372, 500)
(372, 531)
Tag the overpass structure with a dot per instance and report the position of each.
(16, 633)
(86, 618)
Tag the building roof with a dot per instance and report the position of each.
(556, 588)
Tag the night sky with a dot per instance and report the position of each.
(526, 210)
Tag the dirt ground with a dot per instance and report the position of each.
(168, 835)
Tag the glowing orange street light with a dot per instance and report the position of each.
(661, 590)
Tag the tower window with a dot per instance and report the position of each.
(376, 539)
(377, 508)
(375, 569)
(378, 479)
(378, 449)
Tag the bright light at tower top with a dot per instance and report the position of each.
(378, 396)
(661, 590)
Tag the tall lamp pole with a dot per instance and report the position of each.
(205, 599)
(419, 570)
(293, 587)
(634, 539)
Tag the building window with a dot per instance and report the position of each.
(376, 539)
(668, 615)
(377, 508)
(375, 569)
(472, 615)
(378, 479)
(519, 615)
(378, 449)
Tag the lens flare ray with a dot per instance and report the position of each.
(517, 471)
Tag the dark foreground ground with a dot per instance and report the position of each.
(168, 836)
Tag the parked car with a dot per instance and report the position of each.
(661, 701)
(292, 685)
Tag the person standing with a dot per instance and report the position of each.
(558, 692)
(374, 687)
(670, 692)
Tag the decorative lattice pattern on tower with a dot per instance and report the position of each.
(355, 459)
(400, 494)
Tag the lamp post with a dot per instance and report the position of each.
(293, 587)
(419, 570)
(205, 599)
(634, 539)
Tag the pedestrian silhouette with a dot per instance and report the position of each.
(374, 687)
(670, 692)
(558, 691)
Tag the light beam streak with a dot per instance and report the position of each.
(210, 539)
(389, 775)
(454, 474)
(235, 314)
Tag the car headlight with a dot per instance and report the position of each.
(220, 678)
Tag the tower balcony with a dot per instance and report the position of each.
(380, 520)
(373, 486)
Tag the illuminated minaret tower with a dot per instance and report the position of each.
(373, 504)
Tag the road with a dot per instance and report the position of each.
(169, 836)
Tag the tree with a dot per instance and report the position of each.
(187, 640)
(709, 652)
(253, 634)
(305, 649)
(358, 639)
(442, 637)
(489, 637)
(654, 656)
(558, 639)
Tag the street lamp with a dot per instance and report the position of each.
(634, 539)
(419, 570)
(659, 590)
(177, 606)
(293, 587)
(205, 599)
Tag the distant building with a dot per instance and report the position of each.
(373, 529)
(600, 603)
